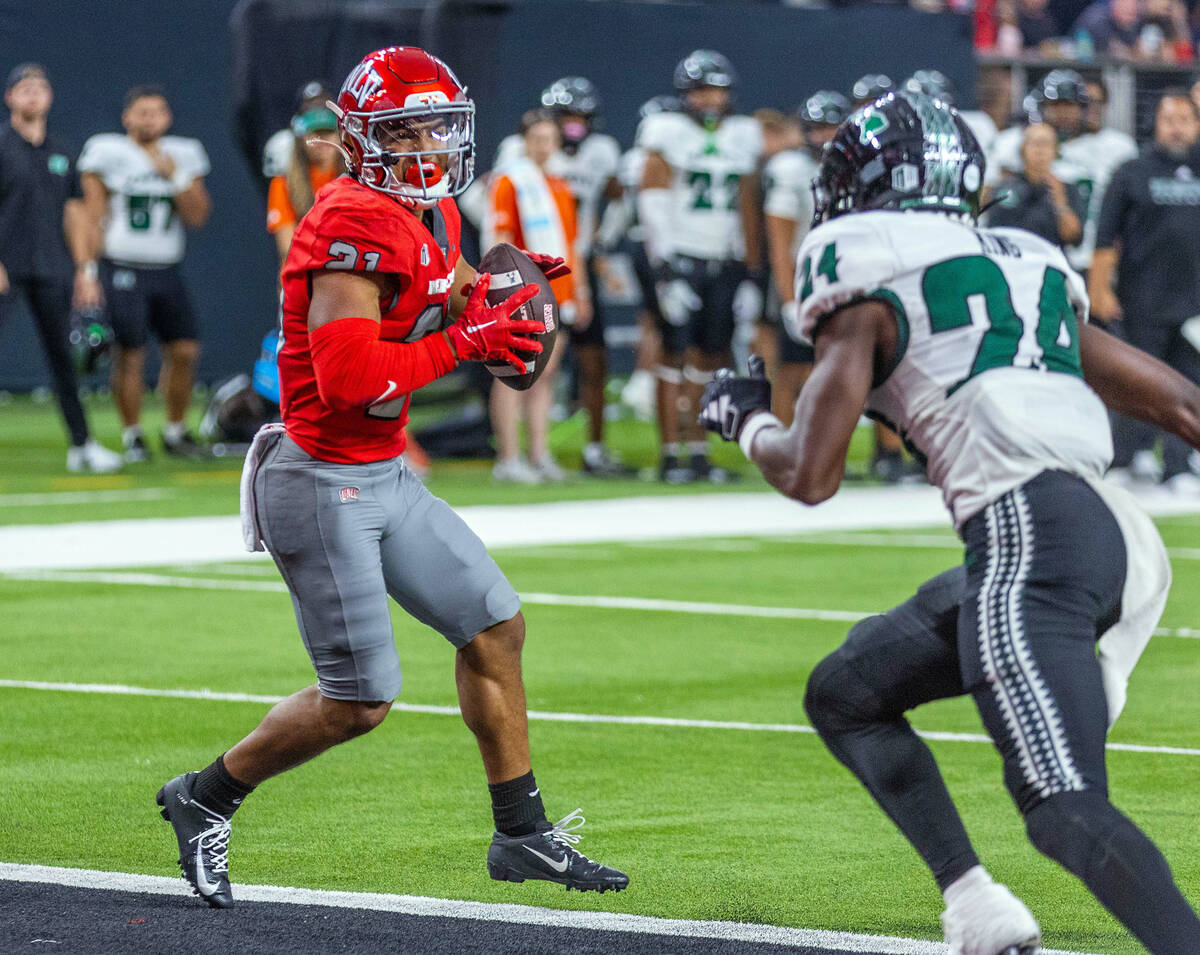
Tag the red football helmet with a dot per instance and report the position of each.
(408, 126)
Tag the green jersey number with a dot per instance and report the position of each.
(700, 182)
(141, 211)
(950, 286)
(826, 266)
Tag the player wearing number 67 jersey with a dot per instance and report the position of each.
(973, 344)
(374, 308)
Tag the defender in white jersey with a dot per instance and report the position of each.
(694, 204)
(973, 343)
(141, 189)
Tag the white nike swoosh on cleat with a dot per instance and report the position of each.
(535, 792)
(479, 328)
(557, 866)
(205, 887)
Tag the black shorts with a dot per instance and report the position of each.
(593, 334)
(139, 299)
(791, 352)
(644, 272)
(711, 327)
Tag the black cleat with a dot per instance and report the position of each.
(185, 447)
(671, 471)
(550, 855)
(705, 470)
(603, 464)
(203, 837)
(136, 451)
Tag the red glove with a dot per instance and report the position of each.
(552, 266)
(486, 332)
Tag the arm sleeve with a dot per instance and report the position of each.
(1113, 210)
(354, 368)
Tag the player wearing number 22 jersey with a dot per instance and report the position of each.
(973, 344)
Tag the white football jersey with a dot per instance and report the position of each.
(587, 172)
(142, 226)
(1096, 156)
(706, 171)
(787, 190)
(987, 383)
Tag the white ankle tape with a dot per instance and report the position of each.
(672, 376)
(697, 376)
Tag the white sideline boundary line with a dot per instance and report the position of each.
(86, 497)
(116, 689)
(136, 578)
(491, 912)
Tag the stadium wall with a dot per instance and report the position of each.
(231, 72)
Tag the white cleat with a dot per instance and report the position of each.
(93, 457)
(985, 918)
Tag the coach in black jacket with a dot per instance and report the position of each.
(1149, 233)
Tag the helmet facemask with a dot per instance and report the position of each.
(419, 154)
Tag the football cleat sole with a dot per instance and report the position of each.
(501, 874)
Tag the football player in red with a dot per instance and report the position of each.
(378, 302)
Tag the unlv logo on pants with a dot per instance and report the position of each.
(363, 83)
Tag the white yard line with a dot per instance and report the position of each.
(116, 689)
(491, 912)
(139, 579)
(930, 541)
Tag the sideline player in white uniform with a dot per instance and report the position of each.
(787, 180)
(693, 206)
(589, 162)
(143, 188)
(973, 343)
(1088, 154)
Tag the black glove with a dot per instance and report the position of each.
(730, 400)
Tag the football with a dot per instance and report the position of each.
(511, 269)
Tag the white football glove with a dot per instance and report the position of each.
(747, 302)
(677, 301)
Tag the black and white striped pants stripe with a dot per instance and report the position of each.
(1045, 570)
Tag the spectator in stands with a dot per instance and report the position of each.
(314, 162)
(534, 210)
(277, 152)
(142, 189)
(1149, 236)
(1035, 199)
(40, 197)
(1113, 26)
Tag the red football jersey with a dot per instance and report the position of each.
(355, 228)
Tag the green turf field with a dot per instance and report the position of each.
(711, 822)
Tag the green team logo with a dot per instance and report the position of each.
(871, 126)
(58, 164)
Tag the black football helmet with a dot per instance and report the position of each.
(572, 94)
(905, 151)
(1063, 86)
(702, 68)
(933, 83)
(824, 108)
(867, 89)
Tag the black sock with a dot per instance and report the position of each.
(517, 805)
(215, 789)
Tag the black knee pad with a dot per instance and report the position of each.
(837, 698)
(1075, 829)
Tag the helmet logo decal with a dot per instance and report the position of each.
(425, 99)
(872, 125)
(363, 83)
